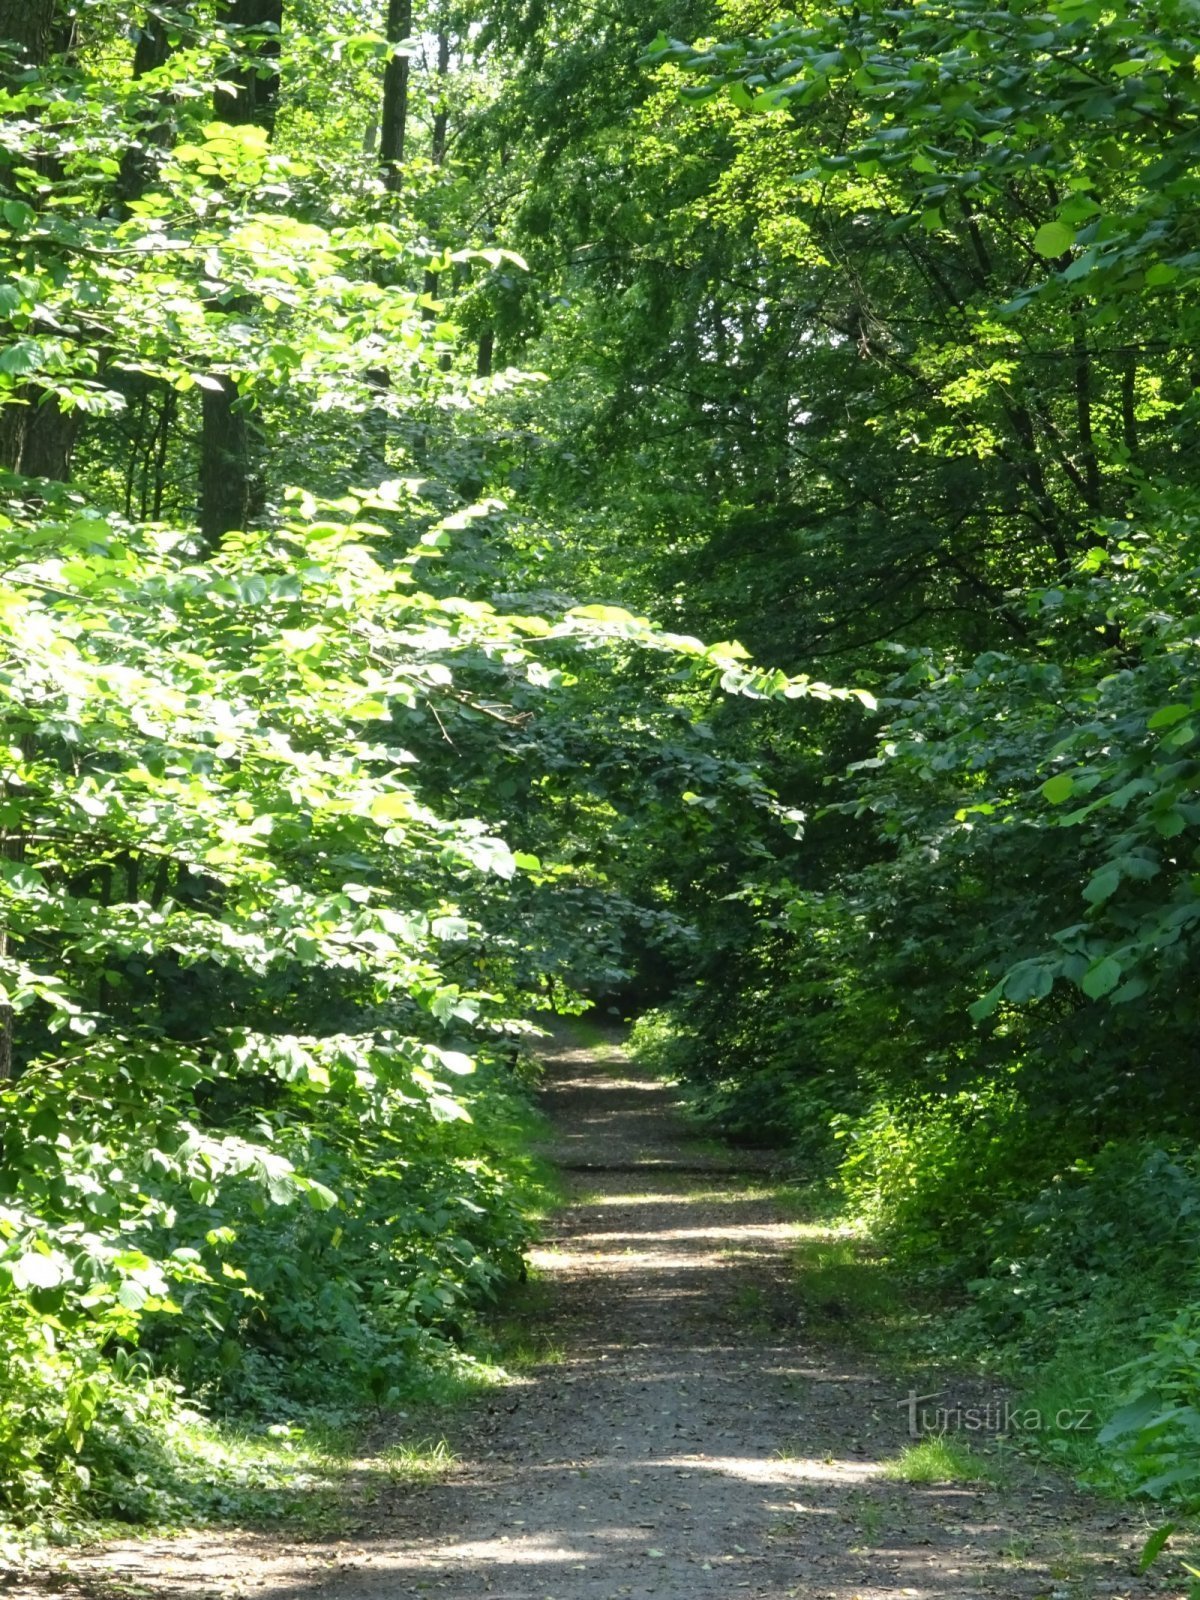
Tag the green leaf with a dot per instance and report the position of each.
(1167, 716)
(1131, 989)
(1059, 788)
(319, 1196)
(986, 1004)
(40, 1269)
(1031, 980)
(17, 214)
(25, 355)
(390, 807)
(1154, 1545)
(132, 1296)
(456, 1062)
(603, 614)
(1132, 1417)
(1053, 239)
(1101, 978)
(1103, 884)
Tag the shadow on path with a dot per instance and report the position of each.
(684, 1443)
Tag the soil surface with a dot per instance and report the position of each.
(679, 1436)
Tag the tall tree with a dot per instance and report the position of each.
(228, 437)
(151, 123)
(37, 435)
(394, 123)
(252, 93)
(29, 25)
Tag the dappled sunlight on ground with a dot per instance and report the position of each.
(643, 1240)
(686, 1442)
(754, 1469)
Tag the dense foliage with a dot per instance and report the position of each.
(372, 376)
(303, 808)
(875, 340)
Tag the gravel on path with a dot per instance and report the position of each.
(682, 1440)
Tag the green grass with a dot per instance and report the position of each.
(515, 1126)
(790, 1452)
(518, 1337)
(595, 1030)
(801, 1203)
(419, 1461)
(1076, 1388)
(849, 1291)
(941, 1460)
(212, 1472)
(748, 1302)
(852, 1293)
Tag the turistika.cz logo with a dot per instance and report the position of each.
(998, 1417)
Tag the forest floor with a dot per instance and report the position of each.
(674, 1433)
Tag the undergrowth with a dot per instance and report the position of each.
(955, 1229)
(331, 1325)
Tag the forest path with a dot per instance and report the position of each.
(682, 1439)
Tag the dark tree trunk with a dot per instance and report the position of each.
(36, 437)
(225, 465)
(153, 50)
(46, 439)
(437, 151)
(255, 95)
(441, 118)
(30, 25)
(166, 417)
(484, 353)
(153, 47)
(153, 124)
(394, 124)
(227, 477)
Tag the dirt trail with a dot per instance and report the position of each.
(682, 1441)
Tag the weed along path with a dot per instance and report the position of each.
(672, 1433)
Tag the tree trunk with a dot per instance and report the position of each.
(45, 437)
(225, 467)
(437, 152)
(441, 117)
(30, 26)
(394, 125)
(36, 437)
(1129, 428)
(255, 95)
(153, 50)
(226, 436)
(152, 134)
(6, 1014)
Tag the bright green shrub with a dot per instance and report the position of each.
(77, 1425)
(932, 1176)
(1153, 1440)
